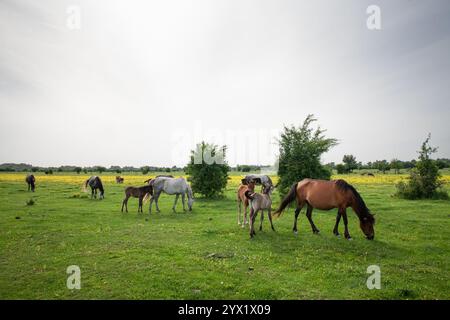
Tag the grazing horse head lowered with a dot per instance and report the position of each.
(96, 184)
(172, 186)
(326, 195)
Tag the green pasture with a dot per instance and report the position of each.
(203, 254)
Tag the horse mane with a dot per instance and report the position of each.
(359, 202)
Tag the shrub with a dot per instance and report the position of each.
(340, 168)
(424, 180)
(300, 152)
(208, 170)
(30, 202)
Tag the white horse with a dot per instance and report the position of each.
(176, 186)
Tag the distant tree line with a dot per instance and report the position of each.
(249, 168)
(22, 167)
(349, 164)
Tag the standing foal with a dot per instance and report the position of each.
(258, 202)
(241, 198)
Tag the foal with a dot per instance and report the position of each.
(241, 198)
(258, 202)
(136, 192)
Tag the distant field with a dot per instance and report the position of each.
(205, 255)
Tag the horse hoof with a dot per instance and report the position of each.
(337, 235)
(349, 238)
(296, 233)
(316, 231)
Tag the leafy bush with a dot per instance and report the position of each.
(340, 168)
(30, 202)
(208, 170)
(424, 180)
(300, 152)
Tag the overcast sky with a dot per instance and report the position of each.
(140, 82)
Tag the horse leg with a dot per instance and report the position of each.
(239, 211)
(140, 203)
(297, 212)
(262, 218)
(338, 218)
(253, 214)
(245, 213)
(183, 200)
(309, 215)
(156, 201)
(344, 216)
(151, 203)
(123, 203)
(175, 203)
(269, 214)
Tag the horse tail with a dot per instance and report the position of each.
(146, 197)
(287, 200)
(249, 195)
(85, 185)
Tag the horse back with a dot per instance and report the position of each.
(321, 194)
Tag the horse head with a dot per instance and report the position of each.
(366, 224)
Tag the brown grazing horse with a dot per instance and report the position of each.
(259, 202)
(30, 180)
(119, 179)
(326, 195)
(241, 198)
(136, 192)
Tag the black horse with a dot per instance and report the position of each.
(30, 179)
(95, 183)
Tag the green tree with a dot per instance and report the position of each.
(424, 180)
(300, 151)
(396, 165)
(382, 165)
(208, 170)
(78, 170)
(100, 169)
(349, 162)
(340, 168)
(145, 170)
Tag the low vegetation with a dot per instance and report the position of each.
(205, 255)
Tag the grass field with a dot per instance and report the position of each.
(204, 255)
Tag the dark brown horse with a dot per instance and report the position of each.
(326, 195)
(119, 179)
(30, 180)
(136, 192)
